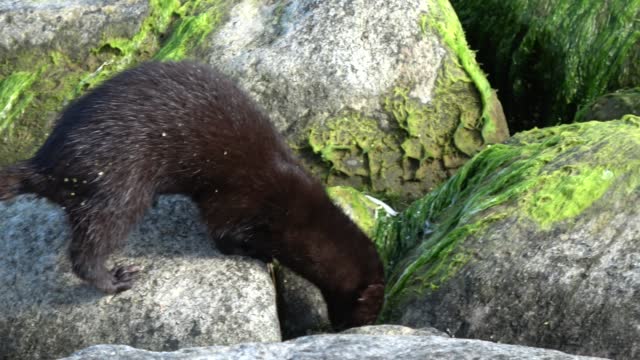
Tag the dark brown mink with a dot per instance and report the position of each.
(182, 127)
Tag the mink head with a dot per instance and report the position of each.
(314, 238)
(327, 248)
(357, 293)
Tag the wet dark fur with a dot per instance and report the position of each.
(185, 128)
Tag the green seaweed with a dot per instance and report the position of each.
(128, 51)
(550, 57)
(13, 96)
(563, 197)
(545, 176)
(198, 20)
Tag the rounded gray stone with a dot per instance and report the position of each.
(187, 294)
(341, 347)
(306, 60)
(72, 26)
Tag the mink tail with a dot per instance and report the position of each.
(17, 179)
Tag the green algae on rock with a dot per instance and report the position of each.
(526, 244)
(536, 53)
(445, 22)
(365, 211)
(58, 73)
(356, 146)
(392, 109)
(184, 25)
(426, 141)
(545, 177)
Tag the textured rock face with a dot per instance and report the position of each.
(374, 343)
(611, 106)
(385, 92)
(534, 242)
(187, 294)
(301, 307)
(71, 26)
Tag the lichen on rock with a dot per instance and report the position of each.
(393, 109)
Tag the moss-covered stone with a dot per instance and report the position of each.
(543, 176)
(444, 20)
(550, 57)
(611, 106)
(426, 141)
(355, 146)
(38, 82)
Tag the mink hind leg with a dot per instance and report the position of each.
(98, 229)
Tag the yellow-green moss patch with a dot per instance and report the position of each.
(443, 19)
(355, 146)
(38, 83)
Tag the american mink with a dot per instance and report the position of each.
(182, 127)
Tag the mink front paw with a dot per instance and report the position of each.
(118, 279)
(368, 305)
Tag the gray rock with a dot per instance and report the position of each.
(342, 347)
(301, 306)
(611, 106)
(534, 242)
(394, 330)
(313, 64)
(72, 26)
(306, 59)
(187, 294)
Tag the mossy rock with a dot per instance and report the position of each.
(426, 117)
(611, 106)
(527, 242)
(53, 52)
(550, 57)
(385, 96)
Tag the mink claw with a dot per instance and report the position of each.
(124, 275)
